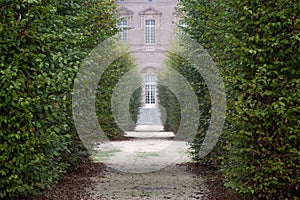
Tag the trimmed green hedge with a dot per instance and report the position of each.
(256, 45)
(135, 104)
(42, 45)
(106, 88)
(171, 102)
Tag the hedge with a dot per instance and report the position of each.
(104, 99)
(171, 102)
(256, 45)
(42, 45)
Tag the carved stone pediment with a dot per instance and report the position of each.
(150, 11)
(124, 11)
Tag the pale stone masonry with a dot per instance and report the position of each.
(152, 24)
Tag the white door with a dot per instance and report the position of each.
(150, 90)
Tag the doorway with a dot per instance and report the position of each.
(150, 90)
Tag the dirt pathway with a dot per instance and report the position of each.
(173, 182)
(93, 181)
(148, 168)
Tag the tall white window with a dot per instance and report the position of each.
(123, 26)
(150, 31)
(150, 87)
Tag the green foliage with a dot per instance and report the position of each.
(42, 44)
(135, 104)
(171, 102)
(106, 88)
(256, 45)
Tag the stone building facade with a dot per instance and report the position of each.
(149, 26)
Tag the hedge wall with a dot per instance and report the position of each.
(41, 47)
(107, 88)
(171, 103)
(256, 45)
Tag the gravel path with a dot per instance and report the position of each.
(142, 155)
(146, 169)
(92, 181)
(173, 182)
(140, 168)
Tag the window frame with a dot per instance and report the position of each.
(150, 89)
(150, 32)
(123, 29)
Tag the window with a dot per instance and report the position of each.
(150, 87)
(123, 25)
(150, 31)
(150, 79)
(150, 94)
